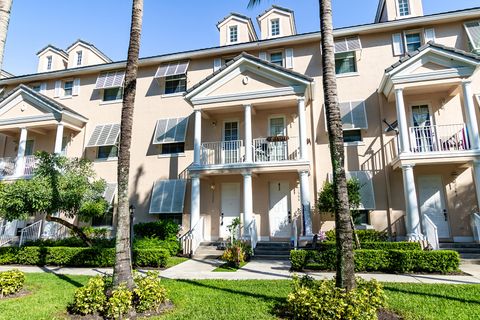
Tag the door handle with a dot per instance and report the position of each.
(445, 214)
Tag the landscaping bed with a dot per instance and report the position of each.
(227, 267)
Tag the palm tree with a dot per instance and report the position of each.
(122, 272)
(345, 277)
(5, 7)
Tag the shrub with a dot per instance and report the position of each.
(233, 255)
(331, 245)
(298, 259)
(8, 255)
(443, 261)
(71, 242)
(162, 229)
(119, 303)
(89, 299)
(312, 299)
(96, 233)
(150, 258)
(11, 282)
(173, 246)
(149, 293)
(372, 236)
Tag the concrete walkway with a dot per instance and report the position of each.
(263, 270)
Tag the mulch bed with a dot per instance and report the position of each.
(167, 306)
(19, 294)
(384, 314)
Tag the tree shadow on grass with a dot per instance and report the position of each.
(63, 277)
(433, 295)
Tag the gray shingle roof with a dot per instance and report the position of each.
(54, 48)
(236, 15)
(91, 45)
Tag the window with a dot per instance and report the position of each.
(49, 62)
(36, 87)
(473, 32)
(277, 58)
(172, 148)
(174, 84)
(277, 126)
(233, 34)
(362, 217)
(403, 8)
(168, 196)
(112, 94)
(275, 27)
(65, 142)
(103, 221)
(413, 41)
(352, 136)
(68, 88)
(107, 152)
(29, 148)
(79, 58)
(345, 62)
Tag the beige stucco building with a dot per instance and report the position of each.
(239, 130)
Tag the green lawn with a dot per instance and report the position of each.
(252, 299)
(173, 261)
(227, 268)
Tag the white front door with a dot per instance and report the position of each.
(279, 208)
(230, 207)
(432, 203)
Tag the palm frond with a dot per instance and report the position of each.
(253, 3)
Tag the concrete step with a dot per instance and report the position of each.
(464, 250)
(470, 261)
(272, 252)
(453, 245)
(469, 256)
(272, 244)
(270, 257)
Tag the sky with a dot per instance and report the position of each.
(168, 26)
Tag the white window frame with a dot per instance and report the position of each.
(277, 116)
(180, 77)
(470, 37)
(114, 158)
(231, 121)
(277, 29)
(354, 143)
(49, 62)
(348, 74)
(64, 82)
(282, 52)
(79, 57)
(416, 31)
(233, 30)
(111, 101)
(409, 9)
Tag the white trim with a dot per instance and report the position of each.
(277, 116)
(170, 95)
(354, 143)
(171, 155)
(102, 103)
(277, 92)
(347, 74)
(225, 121)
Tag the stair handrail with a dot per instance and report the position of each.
(8, 234)
(191, 240)
(31, 232)
(431, 232)
(476, 226)
(252, 233)
(295, 221)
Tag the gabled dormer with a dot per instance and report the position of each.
(277, 22)
(389, 10)
(51, 58)
(81, 53)
(236, 28)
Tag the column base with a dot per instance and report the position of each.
(415, 237)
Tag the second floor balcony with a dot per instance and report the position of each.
(14, 168)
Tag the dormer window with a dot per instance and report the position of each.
(403, 8)
(233, 34)
(79, 58)
(49, 62)
(275, 27)
(413, 41)
(276, 58)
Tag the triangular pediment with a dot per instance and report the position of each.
(247, 77)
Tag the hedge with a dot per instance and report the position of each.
(402, 261)
(162, 229)
(331, 245)
(363, 235)
(79, 257)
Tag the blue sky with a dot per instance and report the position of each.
(169, 26)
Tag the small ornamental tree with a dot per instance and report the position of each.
(59, 185)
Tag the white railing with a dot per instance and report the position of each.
(222, 152)
(476, 227)
(251, 233)
(8, 231)
(431, 233)
(274, 149)
(31, 232)
(452, 137)
(55, 230)
(7, 166)
(30, 165)
(191, 240)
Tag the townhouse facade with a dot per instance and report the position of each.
(239, 130)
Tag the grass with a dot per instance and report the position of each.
(248, 299)
(228, 268)
(173, 261)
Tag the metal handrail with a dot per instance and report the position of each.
(191, 240)
(431, 232)
(435, 138)
(8, 233)
(31, 233)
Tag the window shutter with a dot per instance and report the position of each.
(354, 115)
(217, 64)
(58, 87)
(397, 41)
(429, 35)
(289, 58)
(367, 192)
(76, 87)
(262, 55)
(43, 88)
(473, 32)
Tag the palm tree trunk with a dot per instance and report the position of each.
(122, 272)
(72, 227)
(5, 7)
(345, 277)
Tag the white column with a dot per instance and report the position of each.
(402, 121)
(302, 128)
(197, 139)
(20, 162)
(247, 201)
(412, 214)
(305, 202)
(476, 177)
(195, 200)
(248, 133)
(472, 124)
(59, 139)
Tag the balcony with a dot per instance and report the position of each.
(439, 138)
(10, 168)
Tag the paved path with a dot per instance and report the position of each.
(263, 270)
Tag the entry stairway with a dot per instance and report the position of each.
(264, 250)
(469, 251)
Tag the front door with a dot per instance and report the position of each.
(432, 203)
(230, 144)
(278, 149)
(422, 135)
(279, 209)
(230, 207)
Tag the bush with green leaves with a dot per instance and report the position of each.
(311, 299)
(89, 299)
(363, 235)
(173, 246)
(149, 293)
(233, 255)
(331, 245)
(156, 258)
(72, 242)
(11, 282)
(161, 229)
(119, 303)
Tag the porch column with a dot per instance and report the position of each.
(305, 202)
(197, 139)
(20, 162)
(247, 201)
(248, 133)
(59, 139)
(402, 122)
(472, 124)
(302, 128)
(476, 178)
(412, 214)
(195, 200)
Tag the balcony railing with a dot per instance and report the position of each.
(438, 138)
(222, 152)
(8, 166)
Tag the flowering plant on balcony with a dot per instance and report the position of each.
(277, 138)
